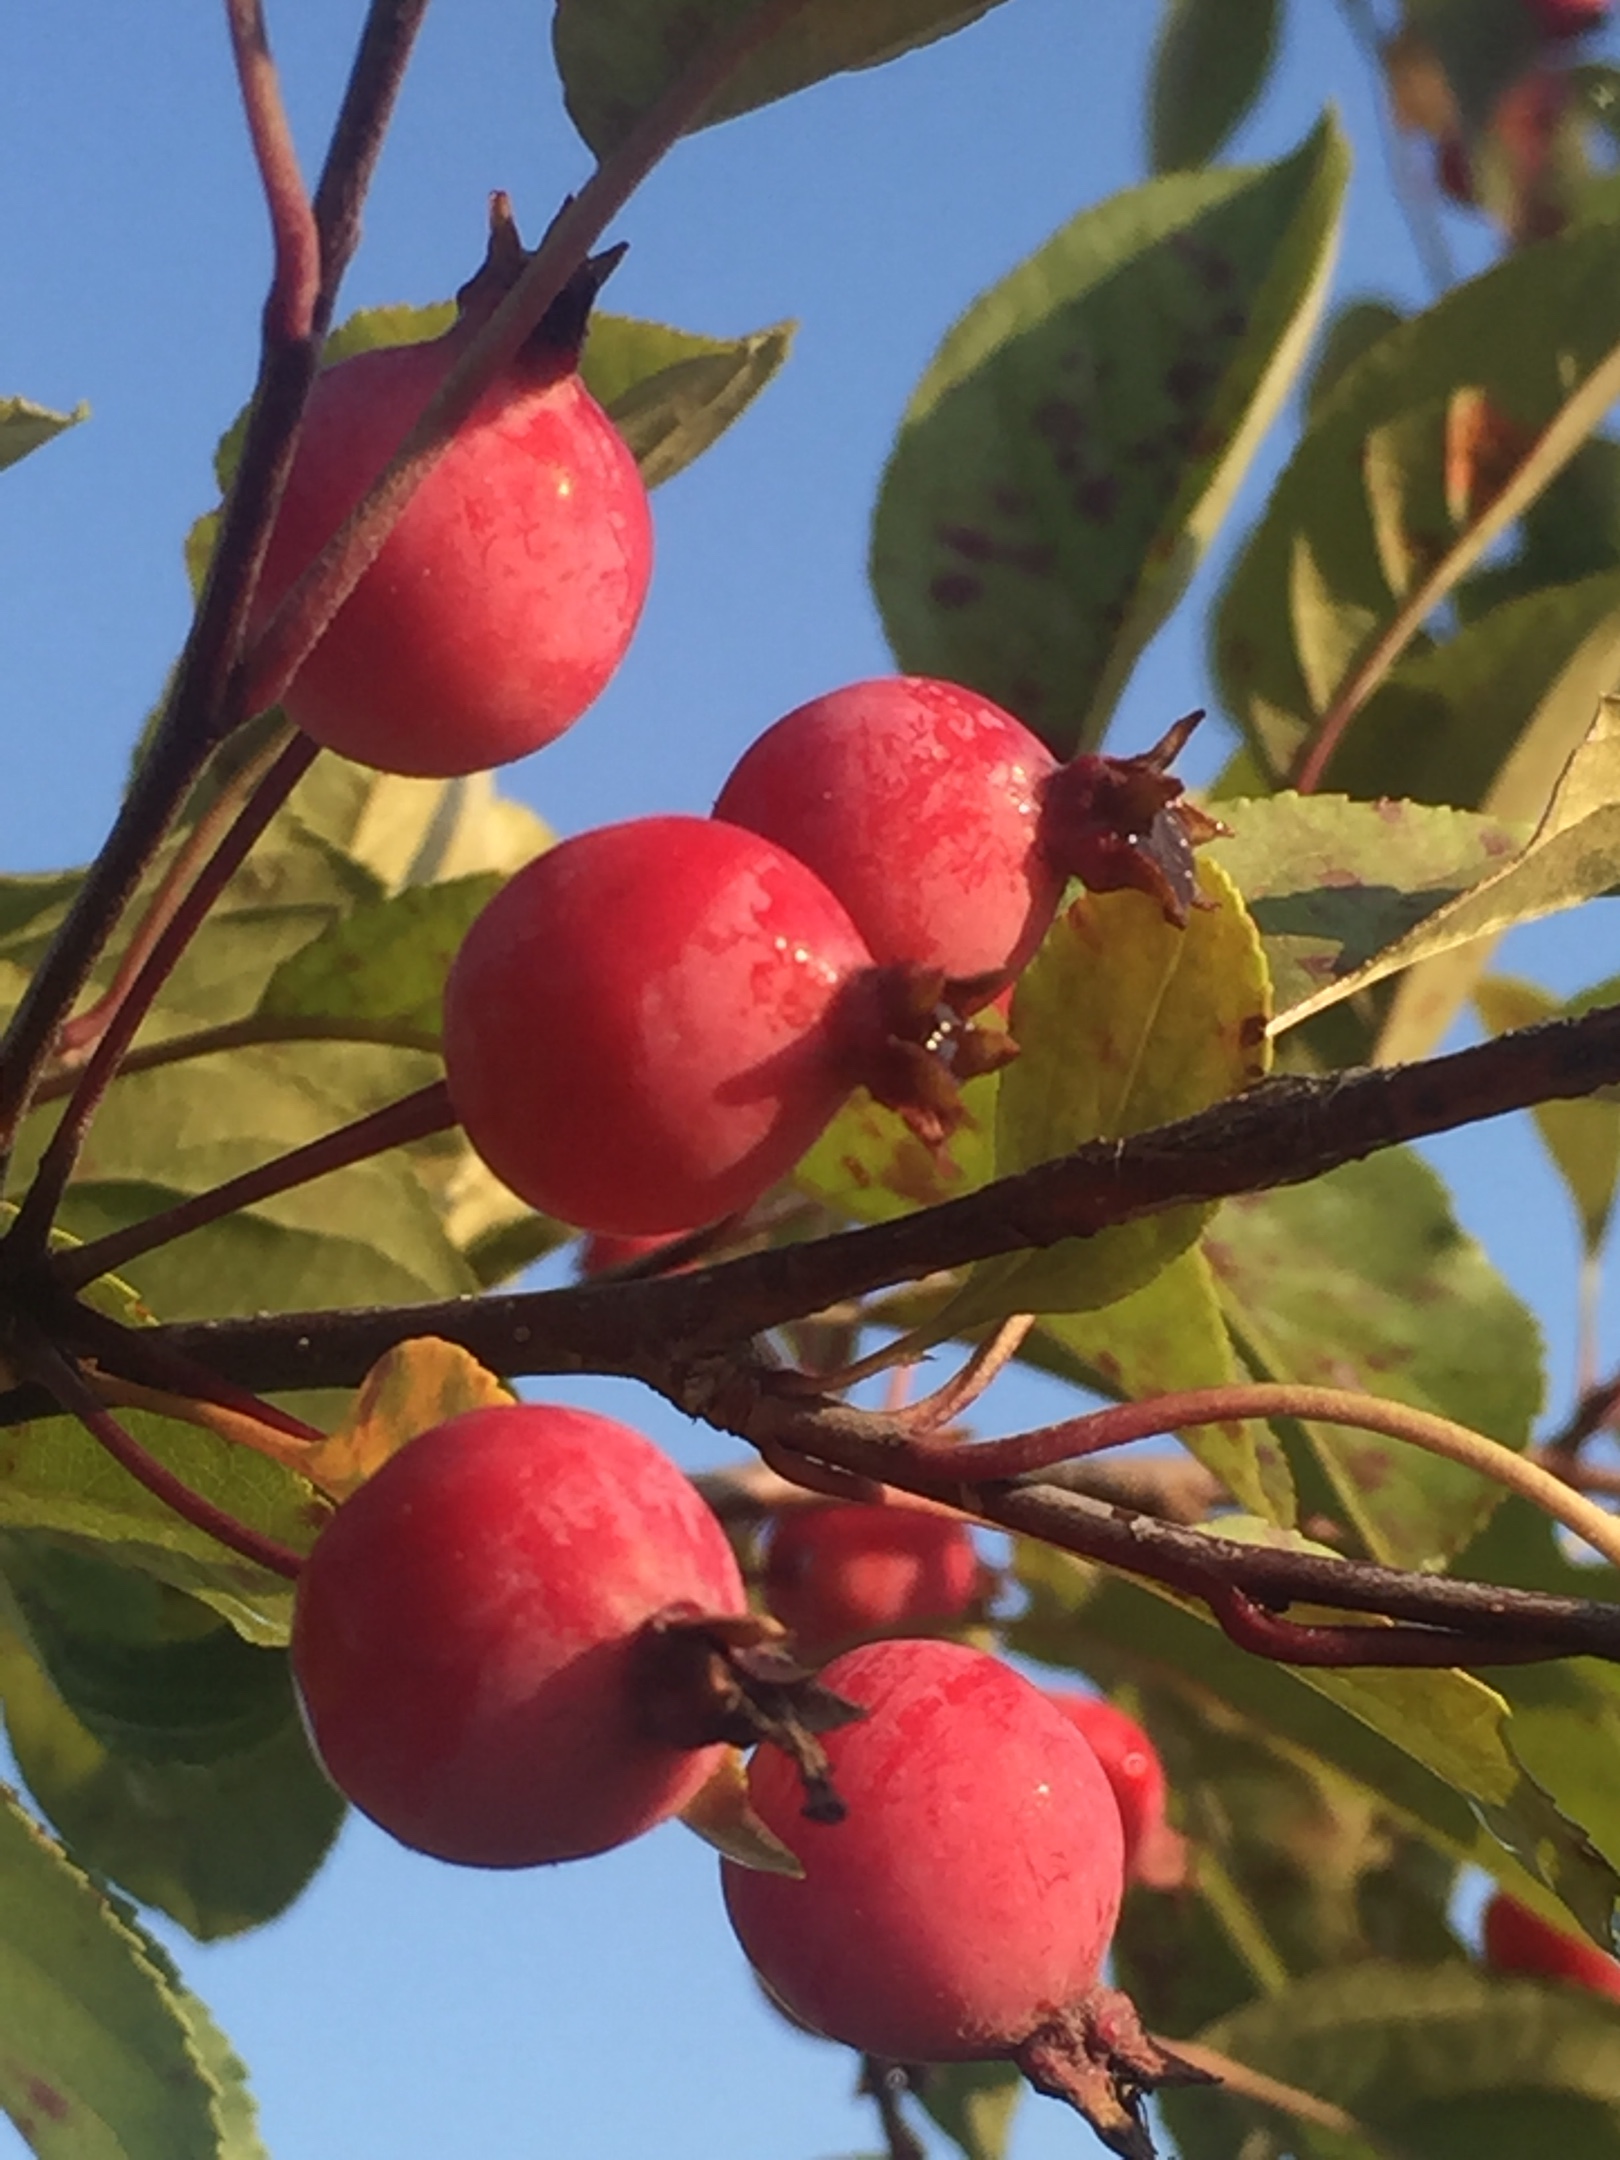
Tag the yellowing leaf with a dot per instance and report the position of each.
(720, 1814)
(410, 1389)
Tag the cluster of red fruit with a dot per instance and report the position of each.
(651, 1023)
(519, 1643)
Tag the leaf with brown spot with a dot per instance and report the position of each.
(1075, 443)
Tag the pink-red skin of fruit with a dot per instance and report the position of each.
(1568, 18)
(464, 1630)
(1520, 1941)
(506, 594)
(972, 1887)
(1154, 1853)
(918, 803)
(649, 1025)
(838, 1573)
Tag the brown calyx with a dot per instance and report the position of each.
(1098, 2058)
(1125, 822)
(913, 1044)
(708, 1677)
(553, 347)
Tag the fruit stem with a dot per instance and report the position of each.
(1270, 2092)
(296, 276)
(26, 1239)
(994, 1461)
(397, 1124)
(292, 632)
(191, 720)
(47, 1365)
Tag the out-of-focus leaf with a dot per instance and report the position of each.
(416, 832)
(1571, 531)
(1077, 439)
(1210, 63)
(1330, 883)
(24, 426)
(1364, 1280)
(1399, 2047)
(220, 1840)
(1524, 334)
(411, 1388)
(974, 2104)
(1125, 1021)
(99, 2061)
(1350, 331)
(1432, 1746)
(1583, 1138)
(383, 967)
(1573, 855)
(618, 57)
(671, 394)
(1170, 1334)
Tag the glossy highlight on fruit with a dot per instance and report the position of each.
(649, 1025)
(836, 1574)
(1517, 1940)
(507, 593)
(969, 1894)
(466, 1628)
(918, 803)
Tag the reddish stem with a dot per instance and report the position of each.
(413, 1117)
(295, 281)
(29, 1232)
(71, 1390)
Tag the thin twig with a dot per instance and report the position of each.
(28, 1234)
(76, 1397)
(296, 277)
(397, 1124)
(1238, 2078)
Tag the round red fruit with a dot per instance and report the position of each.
(505, 596)
(467, 1627)
(649, 1025)
(968, 1896)
(1154, 1853)
(1520, 1941)
(836, 1574)
(918, 803)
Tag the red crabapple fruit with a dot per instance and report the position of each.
(918, 803)
(469, 1630)
(650, 1024)
(963, 1907)
(1520, 1941)
(836, 1574)
(1154, 1853)
(505, 596)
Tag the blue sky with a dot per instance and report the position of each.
(405, 2008)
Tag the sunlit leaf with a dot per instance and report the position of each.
(1363, 1279)
(1583, 1137)
(24, 426)
(410, 1389)
(1075, 443)
(671, 394)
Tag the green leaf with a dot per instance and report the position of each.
(1210, 63)
(405, 832)
(671, 394)
(1075, 443)
(1330, 883)
(1170, 1334)
(618, 57)
(218, 1821)
(869, 1165)
(974, 2104)
(1583, 1138)
(1364, 1280)
(1432, 1747)
(1124, 1021)
(100, 2061)
(1401, 2048)
(1573, 856)
(1525, 334)
(1351, 330)
(24, 426)
(383, 967)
